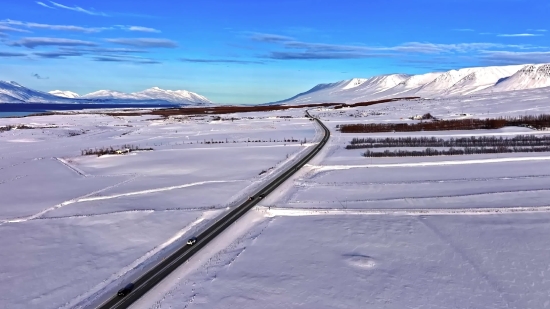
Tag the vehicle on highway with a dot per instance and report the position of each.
(191, 241)
(261, 196)
(250, 198)
(126, 290)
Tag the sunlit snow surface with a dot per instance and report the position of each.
(351, 232)
(344, 232)
(74, 227)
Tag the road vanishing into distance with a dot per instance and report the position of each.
(148, 280)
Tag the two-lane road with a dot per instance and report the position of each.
(157, 273)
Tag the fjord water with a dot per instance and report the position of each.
(24, 109)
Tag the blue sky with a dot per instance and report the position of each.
(242, 51)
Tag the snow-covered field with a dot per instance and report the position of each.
(73, 227)
(345, 232)
(355, 232)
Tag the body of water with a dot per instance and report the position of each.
(24, 109)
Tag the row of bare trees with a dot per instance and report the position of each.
(20, 127)
(473, 141)
(111, 150)
(452, 151)
(536, 122)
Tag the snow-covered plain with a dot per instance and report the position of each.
(74, 227)
(354, 232)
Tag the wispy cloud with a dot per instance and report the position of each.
(44, 5)
(142, 29)
(125, 60)
(220, 61)
(308, 55)
(514, 57)
(464, 30)
(11, 29)
(144, 42)
(270, 38)
(57, 54)
(37, 76)
(8, 54)
(519, 35)
(100, 50)
(299, 50)
(32, 25)
(51, 27)
(42, 41)
(77, 9)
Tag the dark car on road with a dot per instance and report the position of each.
(191, 241)
(126, 290)
(261, 196)
(250, 198)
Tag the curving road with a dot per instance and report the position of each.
(149, 279)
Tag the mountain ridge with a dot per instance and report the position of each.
(465, 81)
(12, 92)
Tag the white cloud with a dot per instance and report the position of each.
(44, 5)
(11, 29)
(144, 42)
(77, 9)
(42, 41)
(51, 27)
(143, 29)
(519, 35)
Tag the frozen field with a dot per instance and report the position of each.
(73, 227)
(355, 232)
(355, 261)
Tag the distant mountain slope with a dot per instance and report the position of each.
(4, 98)
(430, 85)
(64, 94)
(347, 90)
(24, 94)
(155, 93)
(12, 92)
(528, 77)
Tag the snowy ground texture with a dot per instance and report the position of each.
(354, 232)
(73, 227)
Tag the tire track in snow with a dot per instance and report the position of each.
(494, 284)
(423, 197)
(297, 212)
(321, 168)
(71, 201)
(72, 168)
(88, 197)
(149, 191)
(206, 208)
(308, 183)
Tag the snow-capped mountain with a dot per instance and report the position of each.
(431, 85)
(349, 90)
(64, 94)
(12, 92)
(174, 96)
(4, 98)
(528, 77)
(155, 93)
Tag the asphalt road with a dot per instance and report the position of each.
(149, 279)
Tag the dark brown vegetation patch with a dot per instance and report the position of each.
(535, 122)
